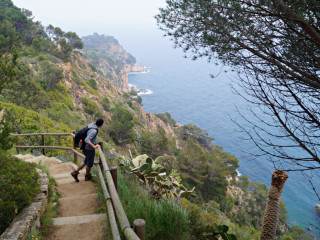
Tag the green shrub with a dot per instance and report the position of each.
(76, 78)
(165, 219)
(61, 97)
(166, 117)
(92, 66)
(90, 107)
(18, 185)
(93, 83)
(50, 75)
(106, 104)
(121, 125)
(138, 99)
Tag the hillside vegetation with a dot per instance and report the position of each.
(63, 82)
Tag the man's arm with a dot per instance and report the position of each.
(92, 145)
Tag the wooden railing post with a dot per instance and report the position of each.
(114, 175)
(17, 144)
(75, 156)
(101, 145)
(43, 149)
(139, 227)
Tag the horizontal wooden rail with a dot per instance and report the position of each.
(41, 134)
(54, 147)
(121, 215)
(112, 218)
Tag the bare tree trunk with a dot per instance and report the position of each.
(271, 215)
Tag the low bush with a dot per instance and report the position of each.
(106, 104)
(121, 125)
(18, 185)
(92, 83)
(90, 107)
(166, 117)
(164, 219)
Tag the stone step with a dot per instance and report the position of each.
(77, 188)
(84, 231)
(56, 159)
(43, 160)
(78, 219)
(68, 180)
(61, 175)
(60, 169)
(23, 157)
(78, 205)
(74, 166)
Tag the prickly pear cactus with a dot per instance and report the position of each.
(155, 177)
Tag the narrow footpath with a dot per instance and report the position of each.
(78, 216)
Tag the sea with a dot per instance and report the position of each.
(186, 89)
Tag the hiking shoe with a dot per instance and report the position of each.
(75, 174)
(88, 177)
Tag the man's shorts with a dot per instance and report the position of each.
(89, 157)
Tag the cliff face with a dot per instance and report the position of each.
(78, 74)
(110, 59)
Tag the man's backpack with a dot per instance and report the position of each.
(81, 136)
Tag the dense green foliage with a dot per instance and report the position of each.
(17, 26)
(93, 83)
(90, 107)
(166, 117)
(158, 181)
(16, 190)
(206, 169)
(50, 75)
(166, 219)
(121, 125)
(154, 143)
(8, 69)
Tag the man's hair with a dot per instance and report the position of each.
(99, 122)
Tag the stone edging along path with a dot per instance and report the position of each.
(30, 215)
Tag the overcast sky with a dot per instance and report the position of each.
(111, 17)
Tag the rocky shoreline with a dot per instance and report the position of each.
(139, 90)
(136, 68)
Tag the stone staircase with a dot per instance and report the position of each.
(78, 217)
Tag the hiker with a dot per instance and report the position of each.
(89, 145)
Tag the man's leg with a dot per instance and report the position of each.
(88, 169)
(90, 161)
(75, 174)
(81, 166)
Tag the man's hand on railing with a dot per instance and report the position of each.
(96, 146)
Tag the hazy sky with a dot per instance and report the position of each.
(111, 17)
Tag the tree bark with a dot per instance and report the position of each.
(271, 215)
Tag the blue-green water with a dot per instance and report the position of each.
(185, 89)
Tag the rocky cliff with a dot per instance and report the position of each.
(110, 59)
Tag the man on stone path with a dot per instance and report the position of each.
(89, 150)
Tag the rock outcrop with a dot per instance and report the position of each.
(318, 209)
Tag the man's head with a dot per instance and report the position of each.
(99, 122)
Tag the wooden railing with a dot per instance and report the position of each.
(43, 146)
(113, 202)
